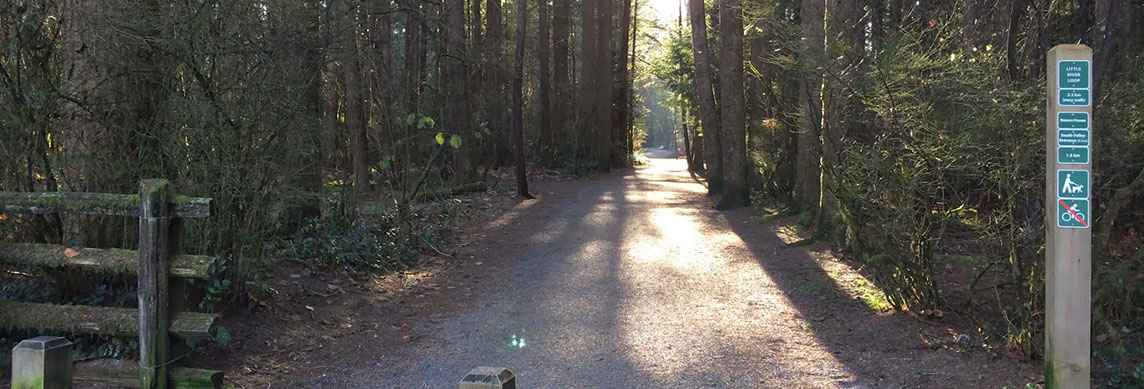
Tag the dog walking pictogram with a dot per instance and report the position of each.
(1071, 187)
(1073, 184)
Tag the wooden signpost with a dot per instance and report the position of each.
(1068, 216)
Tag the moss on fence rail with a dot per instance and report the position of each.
(96, 204)
(111, 261)
(98, 320)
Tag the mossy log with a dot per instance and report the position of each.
(112, 261)
(125, 374)
(122, 322)
(96, 204)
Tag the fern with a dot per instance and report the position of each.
(1108, 360)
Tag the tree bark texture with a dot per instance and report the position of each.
(807, 178)
(518, 99)
(562, 93)
(708, 116)
(733, 112)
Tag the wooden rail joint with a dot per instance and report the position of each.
(161, 312)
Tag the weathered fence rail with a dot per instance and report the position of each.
(98, 260)
(97, 204)
(160, 314)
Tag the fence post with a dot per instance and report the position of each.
(488, 378)
(177, 300)
(154, 251)
(42, 363)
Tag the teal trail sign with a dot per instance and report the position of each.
(1072, 74)
(1073, 213)
(1072, 184)
(1073, 98)
(1072, 155)
(1072, 120)
(1067, 137)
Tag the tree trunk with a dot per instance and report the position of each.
(695, 158)
(621, 88)
(542, 50)
(877, 23)
(333, 143)
(697, 148)
(708, 117)
(807, 178)
(494, 76)
(631, 126)
(687, 150)
(1109, 17)
(355, 118)
(1016, 9)
(475, 22)
(732, 113)
(381, 83)
(518, 99)
(838, 112)
(589, 75)
(560, 87)
(974, 25)
(605, 80)
(474, 95)
(82, 135)
(455, 86)
(413, 66)
(756, 110)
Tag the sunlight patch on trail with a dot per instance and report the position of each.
(556, 229)
(510, 216)
(678, 242)
(695, 294)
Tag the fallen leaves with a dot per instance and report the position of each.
(70, 252)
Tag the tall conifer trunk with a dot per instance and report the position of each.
(589, 76)
(542, 51)
(455, 85)
(518, 99)
(562, 94)
(808, 175)
(732, 110)
(351, 75)
(494, 77)
(621, 88)
(605, 79)
(708, 116)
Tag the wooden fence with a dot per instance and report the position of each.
(162, 310)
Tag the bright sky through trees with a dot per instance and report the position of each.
(666, 10)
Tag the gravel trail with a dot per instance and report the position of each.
(634, 280)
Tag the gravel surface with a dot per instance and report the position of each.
(634, 280)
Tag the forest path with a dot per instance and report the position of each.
(634, 280)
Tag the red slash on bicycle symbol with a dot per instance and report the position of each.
(1078, 218)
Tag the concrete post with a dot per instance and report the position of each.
(489, 378)
(42, 363)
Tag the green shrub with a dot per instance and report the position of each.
(576, 166)
(353, 246)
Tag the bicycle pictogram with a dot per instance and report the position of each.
(1074, 215)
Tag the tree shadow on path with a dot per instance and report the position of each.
(883, 348)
